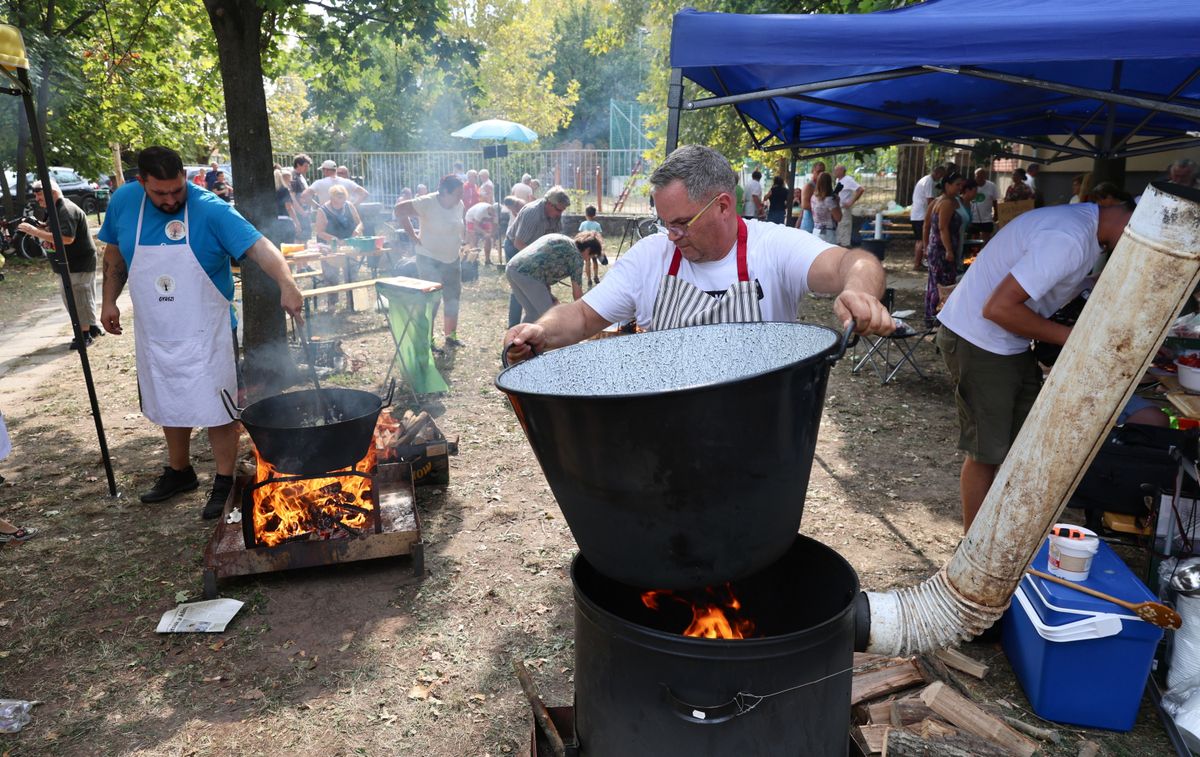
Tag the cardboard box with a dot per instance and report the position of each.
(1081, 660)
(430, 461)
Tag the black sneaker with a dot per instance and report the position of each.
(95, 332)
(222, 485)
(75, 342)
(170, 483)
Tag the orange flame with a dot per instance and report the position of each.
(709, 618)
(314, 507)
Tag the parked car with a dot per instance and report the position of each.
(193, 170)
(74, 187)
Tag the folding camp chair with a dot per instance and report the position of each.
(410, 305)
(888, 354)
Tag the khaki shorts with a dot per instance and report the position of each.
(994, 394)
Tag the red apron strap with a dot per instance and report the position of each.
(743, 269)
(674, 269)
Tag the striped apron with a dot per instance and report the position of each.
(680, 303)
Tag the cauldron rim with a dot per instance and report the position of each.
(700, 643)
(678, 390)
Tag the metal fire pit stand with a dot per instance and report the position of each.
(399, 533)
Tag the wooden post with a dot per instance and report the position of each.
(599, 189)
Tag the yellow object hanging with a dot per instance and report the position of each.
(12, 48)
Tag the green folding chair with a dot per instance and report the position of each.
(409, 305)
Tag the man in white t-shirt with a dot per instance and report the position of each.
(319, 189)
(923, 192)
(753, 203)
(983, 207)
(689, 273)
(1031, 268)
(848, 191)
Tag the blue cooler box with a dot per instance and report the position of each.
(1081, 660)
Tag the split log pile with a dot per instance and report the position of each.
(412, 428)
(904, 707)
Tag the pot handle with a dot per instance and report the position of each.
(697, 714)
(848, 340)
(231, 406)
(504, 354)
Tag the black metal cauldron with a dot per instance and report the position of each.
(679, 458)
(290, 431)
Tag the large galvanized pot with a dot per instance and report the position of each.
(679, 458)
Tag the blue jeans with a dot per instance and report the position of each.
(806, 221)
(514, 307)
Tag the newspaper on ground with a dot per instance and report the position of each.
(199, 617)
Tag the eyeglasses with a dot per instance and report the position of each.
(682, 229)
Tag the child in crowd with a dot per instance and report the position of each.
(591, 243)
(592, 264)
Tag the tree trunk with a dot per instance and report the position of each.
(237, 25)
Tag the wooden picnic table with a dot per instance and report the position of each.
(348, 257)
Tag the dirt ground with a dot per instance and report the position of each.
(366, 659)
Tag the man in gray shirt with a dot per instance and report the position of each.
(537, 219)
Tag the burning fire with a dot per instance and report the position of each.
(330, 507)
(709, 612)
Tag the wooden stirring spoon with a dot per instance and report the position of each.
(1151, 612)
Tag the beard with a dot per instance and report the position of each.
(170, 208)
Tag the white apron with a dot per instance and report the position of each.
(182, 334)
(680, 303)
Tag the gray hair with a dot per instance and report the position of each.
(702, 170)
(558, 196)
(54, 190)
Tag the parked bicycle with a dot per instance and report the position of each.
(20, 244)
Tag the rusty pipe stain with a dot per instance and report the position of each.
(1152, 272)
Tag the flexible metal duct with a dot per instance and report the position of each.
(1153, 270)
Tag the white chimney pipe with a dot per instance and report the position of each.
(1152, 272)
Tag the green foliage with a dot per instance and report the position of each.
(132, 72)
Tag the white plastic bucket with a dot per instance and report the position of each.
(1071, 556)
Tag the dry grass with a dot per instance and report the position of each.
(363, 658)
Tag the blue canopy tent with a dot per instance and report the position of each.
(1119, 79)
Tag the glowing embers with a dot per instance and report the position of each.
(283, 508)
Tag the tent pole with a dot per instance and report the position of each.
(1106, 167)
(849, 81)
(1146, 119)
(792, 171)
(1133, 153)
(674, 104)
(1146, 103)
(944, 125)
(39, 152)
(758, 145)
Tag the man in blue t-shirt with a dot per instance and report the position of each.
(172, 242)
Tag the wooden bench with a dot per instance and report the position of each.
(348, 288)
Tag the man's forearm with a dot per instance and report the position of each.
(861, 272)
(1019, 319)
(569, 324)
(115, 274)
(271, 260)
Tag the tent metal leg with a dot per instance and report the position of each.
(39, 151)
(674, 105)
